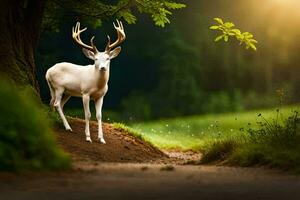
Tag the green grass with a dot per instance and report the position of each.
(133, 132)
(262, 137)
(130, 131)
(192, 133)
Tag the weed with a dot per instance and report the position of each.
(276, 132)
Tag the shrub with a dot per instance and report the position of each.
(275, 143)
(26, 141)
(218, 150)
(287, 158)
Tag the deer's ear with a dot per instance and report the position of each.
(114, 53)
(89, 54)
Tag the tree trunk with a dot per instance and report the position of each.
(20, 22)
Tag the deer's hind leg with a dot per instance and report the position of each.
(64, 100)
(58, 106)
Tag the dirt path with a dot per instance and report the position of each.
(149, 181)
(156, 177)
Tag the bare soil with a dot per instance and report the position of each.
(120, 146)
(128, 168)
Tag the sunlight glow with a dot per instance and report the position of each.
(287, 2)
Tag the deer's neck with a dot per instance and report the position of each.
(102, 77)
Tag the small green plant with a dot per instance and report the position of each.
(228, 30)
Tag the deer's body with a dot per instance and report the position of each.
(76, 80)
(89, 82)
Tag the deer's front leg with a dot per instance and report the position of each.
(87, 115)
(98, 105)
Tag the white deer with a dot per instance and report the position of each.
(89, 82)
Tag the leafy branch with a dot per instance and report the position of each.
(158, 9)
(228, 30)
(95, 11)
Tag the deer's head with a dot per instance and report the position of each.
(101, 59)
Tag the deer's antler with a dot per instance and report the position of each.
(121, 36)
(76, 36)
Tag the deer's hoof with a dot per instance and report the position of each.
(88, 140)
(69, 129)
(102, 141)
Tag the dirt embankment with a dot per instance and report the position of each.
(119, 147)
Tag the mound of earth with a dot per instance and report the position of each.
(120, 146)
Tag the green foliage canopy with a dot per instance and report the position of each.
(99, 10)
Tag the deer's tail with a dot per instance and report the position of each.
(52, 91)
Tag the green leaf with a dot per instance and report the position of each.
(219, 20)
(249, 36)
(128, 16)
(161, 18)
(236, 31)
(253, 41)
(219, 38)
(158, 9)
(174, 6)
(253, 46)
(98, 23)
(229, 25)
(226, 38)
(214, 27)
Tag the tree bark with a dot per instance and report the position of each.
(20, 23)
